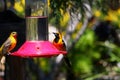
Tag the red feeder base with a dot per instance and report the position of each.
(37, 49)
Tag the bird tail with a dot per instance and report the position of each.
(67, 61)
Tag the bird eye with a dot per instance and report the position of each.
(13, 33)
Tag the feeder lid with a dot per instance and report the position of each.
(37, 49)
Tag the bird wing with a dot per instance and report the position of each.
(4, 50)
(7, 45)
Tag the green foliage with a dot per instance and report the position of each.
(56, 6)
(76, 6)
(43, 63)
(92, 57)
(86, 40)
(84, 53)
(82, 64)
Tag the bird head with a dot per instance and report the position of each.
(14, 34)
(57, 35)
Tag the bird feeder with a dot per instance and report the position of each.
(37, 44)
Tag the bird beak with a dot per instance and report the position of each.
(54, 33)
(15, 35)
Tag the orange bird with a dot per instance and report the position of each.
(8, 45)
(59, 43)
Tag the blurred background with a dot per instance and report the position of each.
(91, 31)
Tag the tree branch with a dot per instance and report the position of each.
(84, 26)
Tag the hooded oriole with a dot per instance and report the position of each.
(59, 43)
(8, 45)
